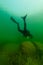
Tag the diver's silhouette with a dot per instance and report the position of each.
(25, 32)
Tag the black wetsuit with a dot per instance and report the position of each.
(25, 32)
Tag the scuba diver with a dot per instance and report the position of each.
(25, 32)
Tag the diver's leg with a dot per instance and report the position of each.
(14, 20)
(24, 19)
(17, 25)
(24, 25)
(19, 28)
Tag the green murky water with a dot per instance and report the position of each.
(9, 31)
(9, 35)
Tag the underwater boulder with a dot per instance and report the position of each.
(23, 54)
(28, 48)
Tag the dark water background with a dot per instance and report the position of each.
(9, 32)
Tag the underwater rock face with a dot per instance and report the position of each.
(25, 54)
(28, 47)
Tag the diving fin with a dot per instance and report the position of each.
(24, 17)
